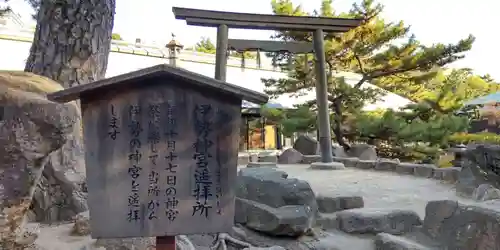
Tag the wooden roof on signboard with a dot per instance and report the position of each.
(212, 18)
(137, 78)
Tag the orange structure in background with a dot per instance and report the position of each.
(257, 141)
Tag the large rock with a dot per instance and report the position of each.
(361, 151)
(366, 164)
(462, 227)
(406, 168)
(480, 166)
(306, 145)
(447, 174)
(31, 130)
(290, 156)
(269, 186)
(308, 159)
(486, 192)
(350, 162)
(375, 221)
(291, 220)
(424, 170)
(386, 164)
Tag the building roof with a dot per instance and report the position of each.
(158, 71)
(487, 99)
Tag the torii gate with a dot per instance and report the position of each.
(224, 20)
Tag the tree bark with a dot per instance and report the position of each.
(337, 123)
(72, 40)
(71, 46)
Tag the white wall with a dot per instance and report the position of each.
(14, 54)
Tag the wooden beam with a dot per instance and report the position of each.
(263, 26)
(270, 46)
(260, 21)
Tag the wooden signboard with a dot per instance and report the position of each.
(161, 152)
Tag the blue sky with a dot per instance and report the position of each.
(432, 21)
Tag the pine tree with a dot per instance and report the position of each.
(205, 45)
(375, 50)
(445, 92)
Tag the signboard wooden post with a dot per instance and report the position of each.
(161, 152)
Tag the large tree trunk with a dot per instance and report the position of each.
(72, 40)
(71, 46)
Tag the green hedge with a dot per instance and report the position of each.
(465, 138)
(416, 153)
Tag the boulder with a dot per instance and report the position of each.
(32, 129)
(290, 156)
(334, 204)
(447, 174)
(269, 187)
(61, 191)
(361, 151)
(308, 159)
(424, 170)
(480, 166)
(406, 168)
(366, 164)
(386, 165)
(306, 145)
(375, 221)
(349, 162)
(290, 220)
(459, 226)
(486, 192)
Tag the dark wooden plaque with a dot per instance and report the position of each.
(161, 160)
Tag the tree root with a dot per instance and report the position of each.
(183, 243)
(221, 242)
(223, 239)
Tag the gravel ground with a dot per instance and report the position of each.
(379, 190)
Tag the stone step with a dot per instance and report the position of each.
(327, 166)
(373, 221)
(262, 165)
(327, 204)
